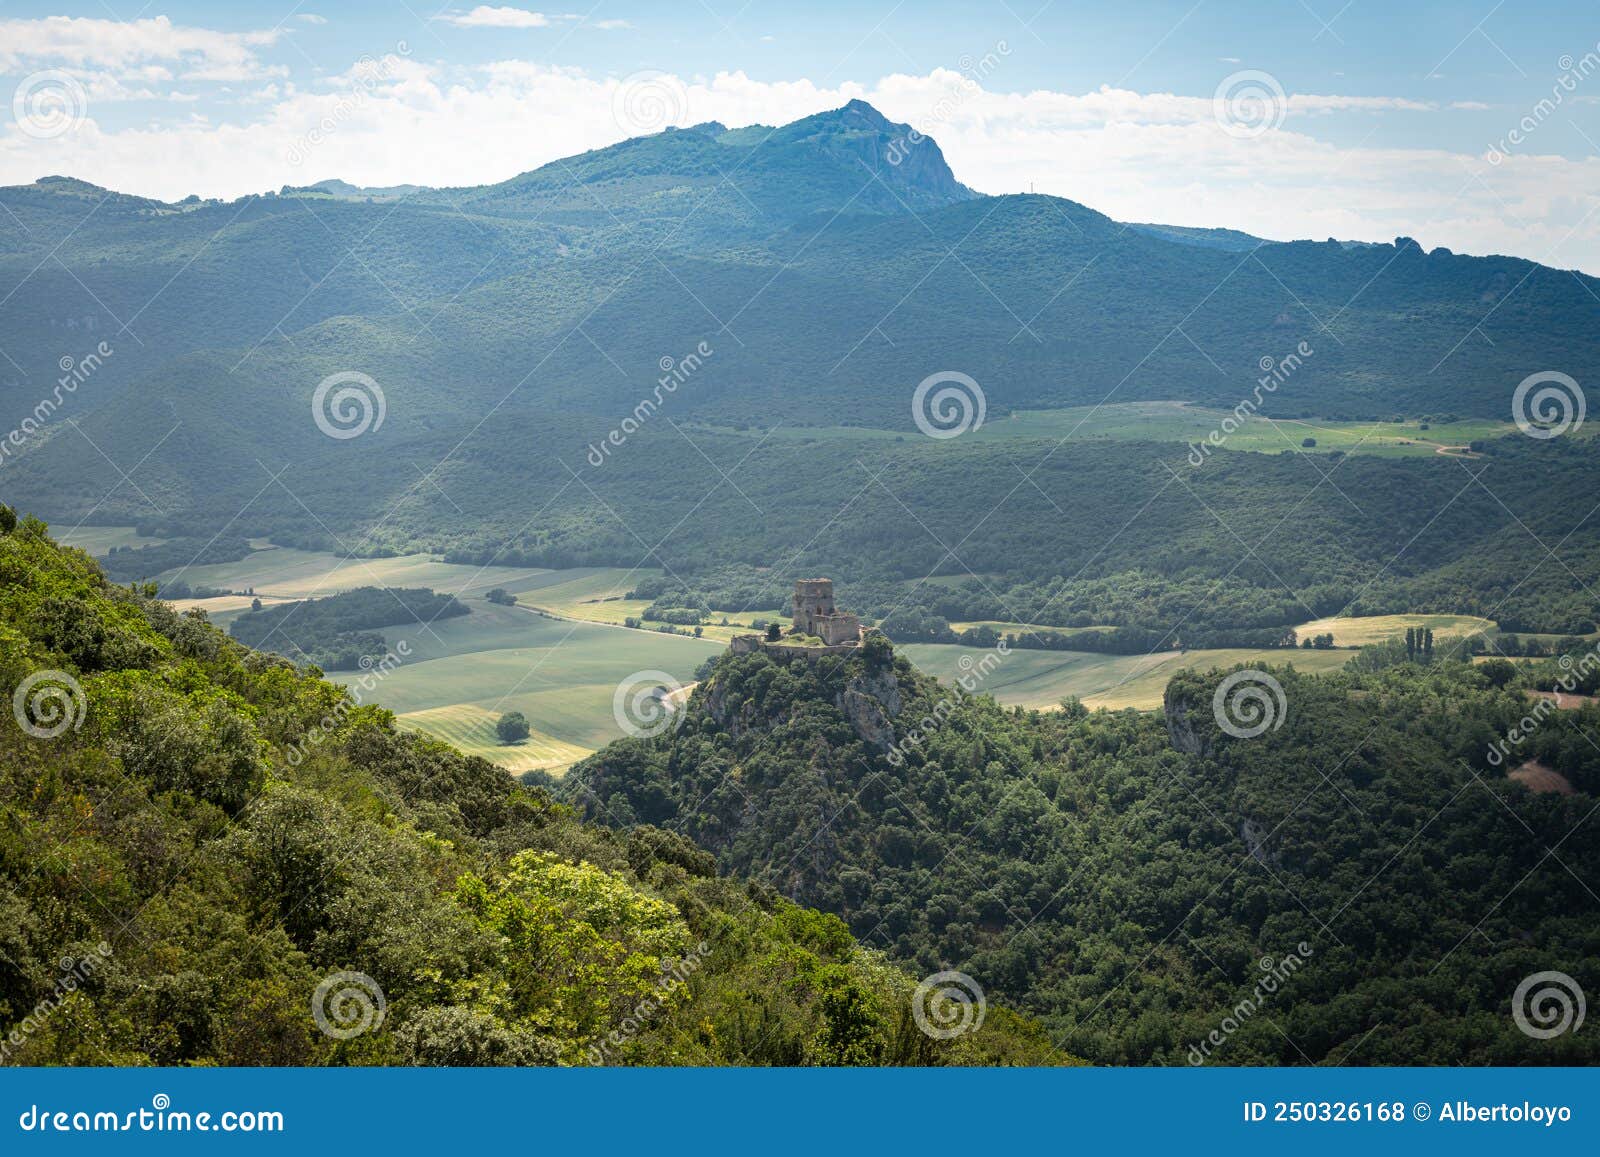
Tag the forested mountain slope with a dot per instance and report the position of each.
(1129, 878)
(210, 857)
(828, 264)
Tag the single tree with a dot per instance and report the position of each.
(774, 632)
(512, 728)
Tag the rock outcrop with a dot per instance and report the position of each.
(1180, 723)
(871, 701)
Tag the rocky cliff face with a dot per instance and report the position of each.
(871, 702)
(1181, 729)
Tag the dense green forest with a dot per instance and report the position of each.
(341, 632)
(1122, 876)
(210, 857)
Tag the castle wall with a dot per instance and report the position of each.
(837, 628)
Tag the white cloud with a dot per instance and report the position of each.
(504, 16)
(311, 18)
(119, 46)
(1136, 156)
(484, 16)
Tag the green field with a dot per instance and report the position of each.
(470, 729)
(1181, 422)
(562, 675)
(460, 674)
(1359, 632)
(98, 540)
(1043, 679)
(559, 655)
(1007, 628)
(302, 574)
(596, 597)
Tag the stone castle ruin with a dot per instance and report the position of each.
(815, 617)
(815, 614)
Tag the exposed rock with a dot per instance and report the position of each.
(870, 702)
(1255, 839)
(1181, 729)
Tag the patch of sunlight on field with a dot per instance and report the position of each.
(1021, 628)
(470, 729)
(1182, 423)
(596, 596)
(99, 540)
(1171, 421)
(1043, 679)
(302, 574)
(561, 674)
(1359, 631)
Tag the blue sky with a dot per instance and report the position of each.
(1391, 113)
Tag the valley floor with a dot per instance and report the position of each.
(560, 654)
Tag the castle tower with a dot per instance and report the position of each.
(813, 598)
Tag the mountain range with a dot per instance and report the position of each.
(803, 279)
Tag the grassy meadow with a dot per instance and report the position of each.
(1183, 423)
(559, 655)
(1042, 679)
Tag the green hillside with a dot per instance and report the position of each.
(1128, 878)
(234, 863)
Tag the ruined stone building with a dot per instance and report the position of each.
(815, 614)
